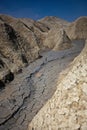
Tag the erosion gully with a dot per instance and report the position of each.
(41, 77)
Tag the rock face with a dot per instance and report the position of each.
(78, 29)
(57, 39)
(67, 109)
(20, 41)
(23, 39)
(39, 30)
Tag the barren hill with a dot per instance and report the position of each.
(52, 21)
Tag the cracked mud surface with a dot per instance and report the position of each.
(30, 90)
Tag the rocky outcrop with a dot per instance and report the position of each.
(39, 30)
(18, 45)
(67, 109)
(57, 39)
(63, 42)
(26, 40)
(78, 29)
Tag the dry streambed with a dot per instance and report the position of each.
(23, 98)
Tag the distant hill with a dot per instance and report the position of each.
(52, 21)
(78, 29)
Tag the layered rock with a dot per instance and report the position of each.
(39, 29)
(26, 39)
(18, 45)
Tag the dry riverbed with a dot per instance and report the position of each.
(30, 90)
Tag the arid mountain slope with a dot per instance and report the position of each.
(39, 30)
(47, 42)
(26, 38)
(78, 29)
(52, 21)
(21, 40)
(57, 39)
(19, 45)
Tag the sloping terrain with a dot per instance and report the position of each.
(52, 21)
(35, 66)
(57, 39)
(21, 40)
(67, 109)
(18, 44)
(78, 29)
(31, 89)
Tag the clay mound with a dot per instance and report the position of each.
(67, 109)
(57, 40)
(78, 29)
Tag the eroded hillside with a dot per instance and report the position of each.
(35, 66)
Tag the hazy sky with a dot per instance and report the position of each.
(36, 9)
